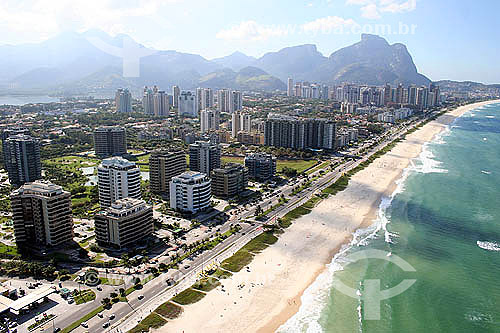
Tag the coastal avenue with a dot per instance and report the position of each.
(156, 291)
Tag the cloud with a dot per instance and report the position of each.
(371, 9)
(328, 24)
(395, 7)
(48, 17)
(252, 31)
(370, 12)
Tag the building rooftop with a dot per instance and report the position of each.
(191, 177)
(39, 187)
(124, 207)
(117, 162)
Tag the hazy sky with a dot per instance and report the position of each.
(449, 39)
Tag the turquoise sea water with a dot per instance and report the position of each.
(444, 220)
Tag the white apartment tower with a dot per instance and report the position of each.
(187, 104)
(190, 192)
(118, 178)
(123, 100)
(290, 87)
(209, 120)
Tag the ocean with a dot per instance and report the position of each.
(26, 99)
(444, 221)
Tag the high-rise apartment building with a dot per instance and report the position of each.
(296, 133)
(190, 192)
(148, 101)
(176, 92)
(21, 154)
(209, 120)
(187, 104)
(41, 214)
(123, 100)
(229, 181)
(161, 103)
(240, 122)
(204, 157)
(289, 90)
(118, 178)
(261, 167)
(204, 98)
(124, 224)
(163, 165)
(110, 141)
(229, 100)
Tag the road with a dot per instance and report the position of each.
(156, 292)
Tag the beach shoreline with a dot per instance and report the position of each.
(279, 275)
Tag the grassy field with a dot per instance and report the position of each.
(169, 310)
(152, 321)
(260, 242)
(73, 162)
(206, 284)
(220, 274)
(84, 297)
(8, 250)
(188, 296)
(232, 159)
(299, 165)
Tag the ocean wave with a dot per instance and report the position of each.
(315, 297)
(426, 162)
(490, 246)
(490, 117)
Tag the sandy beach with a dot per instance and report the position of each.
(266, 296)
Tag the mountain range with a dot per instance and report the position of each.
(70, 64)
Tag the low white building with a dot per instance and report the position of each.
(190, 192)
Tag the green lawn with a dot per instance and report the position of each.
(84, 297)
(260, 242)
(188, 296)
(299, 165)
(237, 261)
(151, 321)
(220, 274)
(73, 162)
(206, 284)
(232, 159)
(8, 250)
(169, 310)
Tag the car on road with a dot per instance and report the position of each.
(85, 324)
(140, 297)
(100, 315)
(105, 324)
(99, 288)
(57, 329)
(186, 267)
(112, 316)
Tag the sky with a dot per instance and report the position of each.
(448, 39)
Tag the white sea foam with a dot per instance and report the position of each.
(490, 246)
(490, 117)
(486, 172)
(425, 163)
